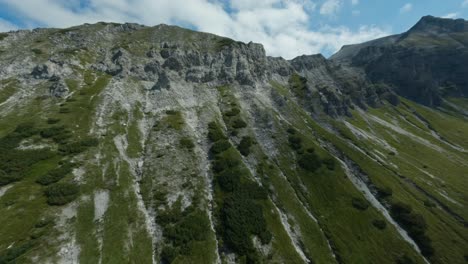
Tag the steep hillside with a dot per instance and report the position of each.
(121, 143)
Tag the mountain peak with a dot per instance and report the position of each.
(437, 25)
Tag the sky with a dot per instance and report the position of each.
(286, 28)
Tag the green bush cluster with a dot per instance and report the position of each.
(298, 85)
(14, 162)
(239, 123)
(241, 214)
(78, 146)
(61, 193)
(414, 224)
(360, 203)
(245, 144)
(58, 134)
(308, 160)
(11, 254)
(380, 224)
(215, 132)
(181, 229)
(384, 192)
(186, 143)
(220, 146)
(52, 121)
(56, 174)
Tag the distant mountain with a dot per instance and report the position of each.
(122, 143)
(425, 64)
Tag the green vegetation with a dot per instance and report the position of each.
(37, 51)
(225, 42)
(182, 230)
(414, 224)
(360, 203)
(241, 214)
(186, 143)
(215, 133)
(380, 224)
(61, 193)
(298, 85)
(14, 162)
(55, 175)
(245, 144)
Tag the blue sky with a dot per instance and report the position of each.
(286, 28)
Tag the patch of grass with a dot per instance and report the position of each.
(3, 36)
(186, 143)
(298, 85)
(173, 120)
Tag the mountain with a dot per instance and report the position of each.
(121, 143)
(425, 64)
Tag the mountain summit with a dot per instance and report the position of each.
(122, 143)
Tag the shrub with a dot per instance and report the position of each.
(242, 218)
(414, 224)
(168, 254)
(214, 132)
(220, 146)
(380, 224)
(329, 163)
(172, 112)
(244, 145)
(6, 178)
(404, 260)
(291, 131)
(429, 203)
(61, 193)
(55, 132)
(72, 148)
(55, 175)
(64, 110)
(15, 252)
(229, 180)
(360, 203)
(239, 123)
(309, 161)
(52, 121)
(37, 51)
(25, 130)
(384, 191)
(89, 142)
(233, 112)
(295, 142)
(225, 161)
(187, 143)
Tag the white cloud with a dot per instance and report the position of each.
(330, 7)
(464, 4)
(406, 8)
(355, 2)
(282, 26)
(450, 15)
(6, 26)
